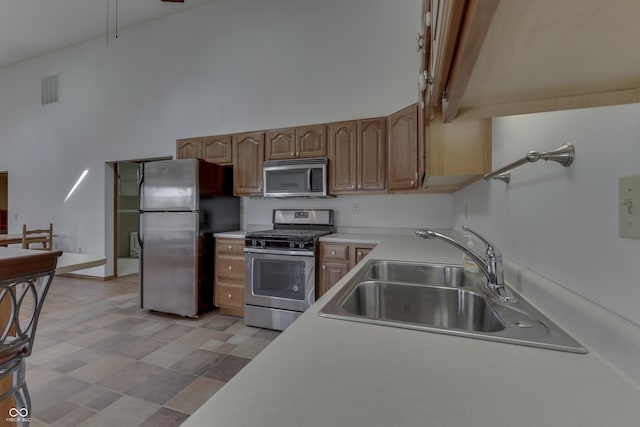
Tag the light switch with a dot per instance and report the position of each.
(629, 206)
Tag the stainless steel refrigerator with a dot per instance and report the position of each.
(182, 203)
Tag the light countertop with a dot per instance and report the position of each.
(329, 372)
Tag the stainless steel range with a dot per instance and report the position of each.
(280, 266)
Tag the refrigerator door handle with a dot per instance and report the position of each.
(140, 239)
(140, 189)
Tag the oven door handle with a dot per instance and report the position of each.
(278, 252)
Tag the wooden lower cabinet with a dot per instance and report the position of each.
(229, 276)
(336, 259)
(330, 273)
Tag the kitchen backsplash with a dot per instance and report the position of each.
(385, 210)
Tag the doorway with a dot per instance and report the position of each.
(4, 202)
(126, 220)
(123, 204)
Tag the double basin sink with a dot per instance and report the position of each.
(443, 299)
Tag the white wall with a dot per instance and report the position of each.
(388, 210)
(562, 222)
(230, 66)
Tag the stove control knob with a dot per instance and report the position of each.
(292, 245)
(261, 242)
(254, 242)
(301, 245)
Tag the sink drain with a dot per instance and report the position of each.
(523, 324)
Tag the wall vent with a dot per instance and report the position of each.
(50, 89)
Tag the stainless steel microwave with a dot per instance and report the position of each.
(295, 178)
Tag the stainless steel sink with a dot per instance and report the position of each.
(437, 307)
(411, 272)
(443, 299)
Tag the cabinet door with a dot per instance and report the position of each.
(189, 148)
(248, 155)
(359, 251)
(371, 151)
(330, 273)
(311, 141)
(402, 153)
(280, 144)
(342, 157)
(217, 149)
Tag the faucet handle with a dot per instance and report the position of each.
(491, 248)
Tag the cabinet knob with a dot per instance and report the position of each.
(333, 252)
(324, 267)
(353, 186)
(230, 247)
(297, 153)
(413, 182)
(229, 296)
(291, 154)
(359, 185)
(230, 268)
(359, 253)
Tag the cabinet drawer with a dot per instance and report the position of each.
(233, 247)
(335, 251)
(228, 295)
(230, 268)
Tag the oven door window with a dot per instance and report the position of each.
(279, 278)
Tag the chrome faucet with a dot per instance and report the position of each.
(491, 267)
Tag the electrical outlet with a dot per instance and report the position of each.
(355, 209)
(629, 206)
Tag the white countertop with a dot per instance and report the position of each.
(328, 372)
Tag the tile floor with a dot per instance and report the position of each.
(100, 360)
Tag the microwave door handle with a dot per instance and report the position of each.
(309, 180)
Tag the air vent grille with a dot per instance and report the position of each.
(50, 89)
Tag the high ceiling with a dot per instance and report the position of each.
(30, 28)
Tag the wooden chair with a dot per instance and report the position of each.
(42, 236)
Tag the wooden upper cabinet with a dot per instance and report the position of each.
(402, 154)
(457, 154)
(248, 157)
(299, 142)
(371, 164)
(357, 156)
(342, 156)
(311, 141)
(189, 148)
(499, 57)
(217, 149)
(280, 144)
